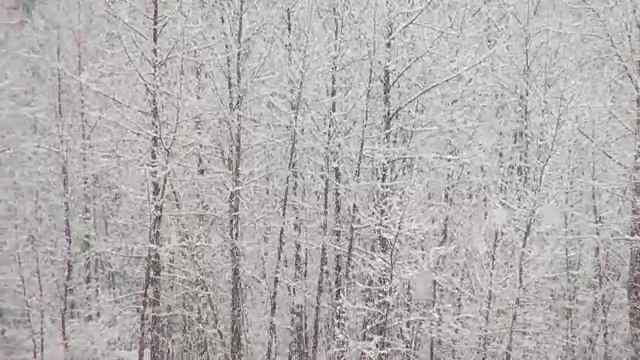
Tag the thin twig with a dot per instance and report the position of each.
(603, 151)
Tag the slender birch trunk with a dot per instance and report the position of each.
(327, 174)
(289, 180)
(234, 160)
(67, 292)
(380, 287)
(338, 336)
(26, 297)
(633, 286)
(436, 343)
(152, 283)
(521, 141)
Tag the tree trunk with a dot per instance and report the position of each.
(234, 162)
(152, 283)
(325, 216)
(378, 296)
(285, 203)
(67, 292)
(25, 295)
(339, 334)
(633, 286)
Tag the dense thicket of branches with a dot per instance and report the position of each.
(340, 179)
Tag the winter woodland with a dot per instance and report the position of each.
(319, 179)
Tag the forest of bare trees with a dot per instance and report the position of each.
(319, 179)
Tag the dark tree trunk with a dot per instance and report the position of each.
(234, 161)
(152, 282)
(67, 292)
(633, 286)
